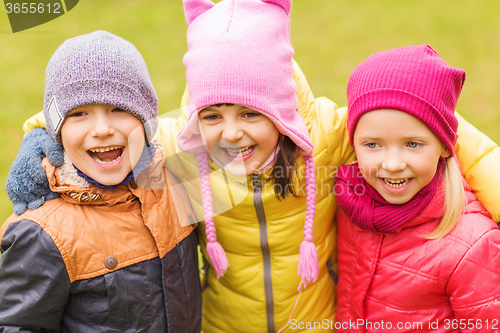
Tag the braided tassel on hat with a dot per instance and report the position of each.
(215, 251)
(308, 257)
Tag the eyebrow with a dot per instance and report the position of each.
(368, 137)
(209, 109)
(378, 138)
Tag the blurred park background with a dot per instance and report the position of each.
(330, 38)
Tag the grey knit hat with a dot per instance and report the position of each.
(98, 68)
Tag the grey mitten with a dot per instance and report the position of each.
(27, 185)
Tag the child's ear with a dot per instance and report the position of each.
(445, 153)
(194, 8)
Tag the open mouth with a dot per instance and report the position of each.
(107, 155)
(396, 183)
(239, 152)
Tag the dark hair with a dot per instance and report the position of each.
(284, 169)
(222, 104)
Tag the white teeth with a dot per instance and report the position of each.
(102, 150)
(396, 183)
(103, 162)
(236, 152)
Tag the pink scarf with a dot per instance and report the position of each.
(369, 210)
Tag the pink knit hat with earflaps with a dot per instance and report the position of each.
(239, 52)
(412, 79)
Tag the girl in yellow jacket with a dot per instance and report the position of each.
(257, 155)
(242, 110)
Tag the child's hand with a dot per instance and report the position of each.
(27, 185)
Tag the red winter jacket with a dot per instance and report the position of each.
(400, 282)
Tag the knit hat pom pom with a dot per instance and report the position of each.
(217, 257)
(308, 263)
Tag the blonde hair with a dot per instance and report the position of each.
(454, 199)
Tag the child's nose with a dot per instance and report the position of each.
(232, 132)
(102, 127)
(393, 163)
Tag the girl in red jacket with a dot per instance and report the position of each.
(416, 250)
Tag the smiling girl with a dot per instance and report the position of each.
(415, 246)
(243, 135)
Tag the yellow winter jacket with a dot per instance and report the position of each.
(261, 234)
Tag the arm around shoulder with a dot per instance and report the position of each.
(479, 159)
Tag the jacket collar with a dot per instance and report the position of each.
(83, 193)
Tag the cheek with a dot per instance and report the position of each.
(428, 168)
(365, 161)
(136, 144)
(269, 134)
(274, 139)
(128, 124)
(69, 142)
(368, 165)
(210, 133)
(133, 132)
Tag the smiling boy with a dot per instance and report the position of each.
(113, 253)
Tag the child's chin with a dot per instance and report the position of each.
(399, 200)
(109, 180)
(237, 169)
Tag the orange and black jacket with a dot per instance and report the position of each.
(102, 260)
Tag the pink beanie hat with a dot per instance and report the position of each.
(239, 52)
(413, 79)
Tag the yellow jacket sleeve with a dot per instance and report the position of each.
(38, 120)
(479, 159)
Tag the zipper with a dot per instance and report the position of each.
(266, 255)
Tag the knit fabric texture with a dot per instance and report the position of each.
(98, 68)
(239, 52)
(412, 79)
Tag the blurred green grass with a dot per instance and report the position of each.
(330, 39)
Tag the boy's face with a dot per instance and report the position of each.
(397, 154)
(103, 141)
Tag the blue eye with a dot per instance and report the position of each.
(117, 109)
(413, 144)
(371, 145)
